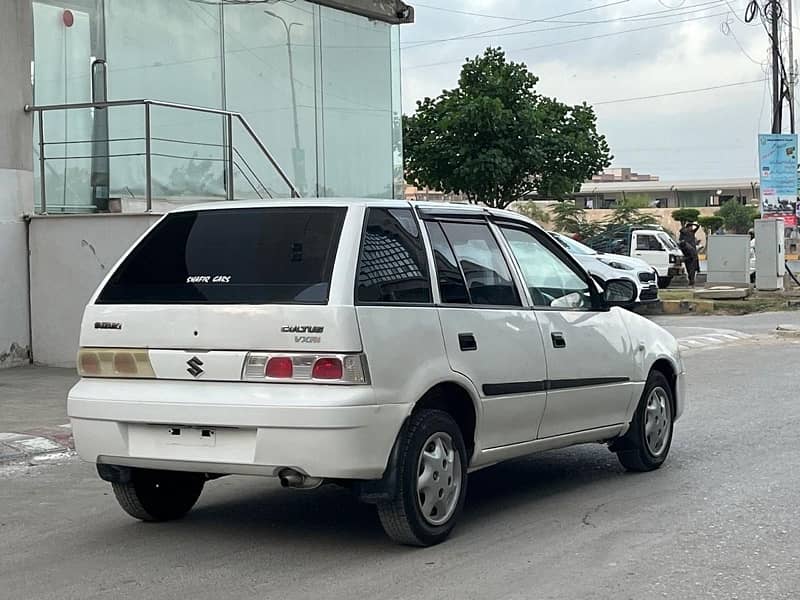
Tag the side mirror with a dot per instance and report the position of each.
(619, 292)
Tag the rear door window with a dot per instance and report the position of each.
(485, 270)
(393, 266)
(452, 288)
(238, 256)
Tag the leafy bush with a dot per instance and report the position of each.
(686, 215)
(737, 217)
(710, 224)
(533, 211)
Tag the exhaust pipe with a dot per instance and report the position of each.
(294, 479)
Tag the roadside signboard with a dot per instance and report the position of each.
(777, 162)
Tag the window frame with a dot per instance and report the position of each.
(464, 217)
(426, 253)
(598, 304)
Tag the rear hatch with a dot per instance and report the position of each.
(205, 288)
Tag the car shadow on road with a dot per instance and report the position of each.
(241, 509)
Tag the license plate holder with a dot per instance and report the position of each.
(179, 435)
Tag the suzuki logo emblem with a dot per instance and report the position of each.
(194, 367)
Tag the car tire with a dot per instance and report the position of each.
(663, 282)
(646, 444)
(159, 495)
(429, 499)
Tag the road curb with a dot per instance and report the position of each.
(683, 307)
(21, 446)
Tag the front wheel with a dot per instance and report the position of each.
(646, 444)
(152, 495)
(432, 481)
(663, 282)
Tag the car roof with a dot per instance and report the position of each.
(439, 207)
(280, 202)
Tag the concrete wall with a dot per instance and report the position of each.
(70, 255)
(663, 217)
(16, 177)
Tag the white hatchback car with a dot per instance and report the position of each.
(614, 266)
(386, 346)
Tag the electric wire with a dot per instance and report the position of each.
(648, 16)
(575, 40)
(679, 92)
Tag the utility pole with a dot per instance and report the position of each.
(773, 11)
(792, 70)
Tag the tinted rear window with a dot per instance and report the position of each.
(238, 256)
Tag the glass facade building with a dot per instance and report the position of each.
(319, 86)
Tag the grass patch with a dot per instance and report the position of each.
(757, 302)
(751, 305)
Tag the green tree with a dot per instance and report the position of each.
(685, 215)
(710, 224)
(568, 217)
(628, 212)
(737, 217)
(533, 211)
(496, 140)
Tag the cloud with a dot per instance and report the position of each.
(701, 135)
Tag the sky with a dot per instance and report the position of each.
(605, 51)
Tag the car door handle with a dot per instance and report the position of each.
(467, 342)
(558, 339)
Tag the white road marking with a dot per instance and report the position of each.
(38, 444)
(713, 338)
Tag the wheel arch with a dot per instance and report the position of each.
(449, 395)
(670, 372)
(454, 399)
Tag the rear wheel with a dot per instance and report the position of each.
(432, 481)
(663, 282)
(159, 495)
(646, 444)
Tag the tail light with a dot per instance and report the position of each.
(279, 367)
(327, 368)
(112, 362)
(346, 369)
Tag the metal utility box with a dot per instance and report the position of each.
(770, 254)
(728, 259)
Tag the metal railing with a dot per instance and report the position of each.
(229, 150)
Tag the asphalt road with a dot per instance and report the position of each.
(719, 520)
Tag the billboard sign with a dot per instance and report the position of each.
(777, 165)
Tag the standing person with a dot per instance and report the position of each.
(688, 245)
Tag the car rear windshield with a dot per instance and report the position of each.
(232, 256)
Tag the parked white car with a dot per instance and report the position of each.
(386, 346)
(654, 246)
(614, 266)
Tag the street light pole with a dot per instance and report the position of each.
(298, 156)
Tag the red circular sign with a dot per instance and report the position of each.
(68, 18)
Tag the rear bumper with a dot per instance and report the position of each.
(322, 431)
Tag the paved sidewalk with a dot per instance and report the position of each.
(33, 411)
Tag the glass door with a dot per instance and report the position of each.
(68, 38)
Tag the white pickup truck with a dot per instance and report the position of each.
(654, 246)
